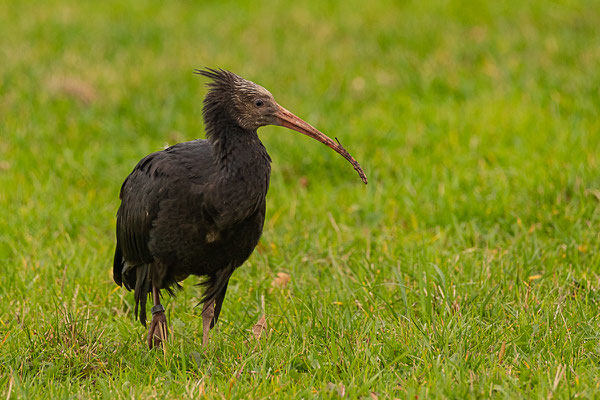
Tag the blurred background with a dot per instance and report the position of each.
(476, 123)
(434, 99)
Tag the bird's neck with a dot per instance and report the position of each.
(236, 151)
(242, 170)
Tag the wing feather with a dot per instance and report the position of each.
(142, 193)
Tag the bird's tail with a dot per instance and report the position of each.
(134, 277)
(137, 278)
(143, 287)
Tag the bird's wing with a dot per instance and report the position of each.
(145, 189)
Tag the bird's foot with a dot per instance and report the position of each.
(158, 328)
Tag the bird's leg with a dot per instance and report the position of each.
(208, 313)
(158, 327)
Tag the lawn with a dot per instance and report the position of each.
(468, 267)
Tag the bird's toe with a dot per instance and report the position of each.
(158, 330)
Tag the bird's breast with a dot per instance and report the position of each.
(236, 197)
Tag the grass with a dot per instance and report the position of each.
(467, 268)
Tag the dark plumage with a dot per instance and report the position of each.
(198, 208)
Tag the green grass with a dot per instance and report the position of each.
(468, 267)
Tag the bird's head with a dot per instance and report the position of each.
(252, 106)
(248, 104)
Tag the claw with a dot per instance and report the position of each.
(158, 330)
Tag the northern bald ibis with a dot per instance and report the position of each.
(198, 208)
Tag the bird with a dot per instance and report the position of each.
(198, 207)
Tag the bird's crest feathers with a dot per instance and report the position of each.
(220, 77)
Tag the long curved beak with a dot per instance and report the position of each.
(290, 121)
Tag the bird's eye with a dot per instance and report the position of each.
(259, 103)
